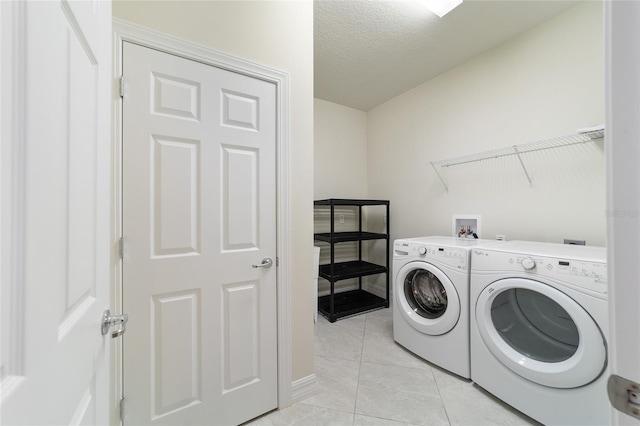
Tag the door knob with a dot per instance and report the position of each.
(109, 321)
(266, 263)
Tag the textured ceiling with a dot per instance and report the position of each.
(369, 51)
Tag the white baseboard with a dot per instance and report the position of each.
(304, 388)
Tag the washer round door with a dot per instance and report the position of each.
(540, 333)
(427, 298)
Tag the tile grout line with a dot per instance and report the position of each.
(355, 403)
(444, 406)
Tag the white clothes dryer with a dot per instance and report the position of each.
(539, 319)
(431, 299)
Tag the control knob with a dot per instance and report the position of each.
(528, 263)
(422, 250)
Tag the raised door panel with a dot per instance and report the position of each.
(240, 110)
(240, 341)
(240, 203)
(176, 379)
(175, 97)
(175, 196)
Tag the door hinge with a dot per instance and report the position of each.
(121, 86)
(121, 247)
(277, 261)
(123, 410)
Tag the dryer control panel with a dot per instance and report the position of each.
(451, 256)
(586, 274)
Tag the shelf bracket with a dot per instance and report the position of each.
(515, 148)
(446, 188)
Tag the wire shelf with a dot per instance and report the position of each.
(581, 136)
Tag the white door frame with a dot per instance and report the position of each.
(125, 31)
(622, 65)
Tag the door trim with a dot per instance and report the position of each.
(124, 31)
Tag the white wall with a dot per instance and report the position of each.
(547, 82)
(279, 35)
(340, 171)
(339, 151)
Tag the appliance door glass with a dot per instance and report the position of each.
(540, 333)
(427, 298)
(534, 325)
(425, 294)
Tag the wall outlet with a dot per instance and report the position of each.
(341, 218)
(501, 237)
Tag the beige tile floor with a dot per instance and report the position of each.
(365, 378)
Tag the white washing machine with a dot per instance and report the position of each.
(431, 299)
(539, 327)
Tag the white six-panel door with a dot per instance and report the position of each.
(199, 210)
(55, 212)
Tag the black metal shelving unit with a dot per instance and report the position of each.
(339, 305)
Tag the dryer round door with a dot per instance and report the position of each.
(427, 298)
(540, 333)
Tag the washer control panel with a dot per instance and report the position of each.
(581, 273)
(452, 256)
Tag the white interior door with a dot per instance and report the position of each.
(55, 211)
(622, 56)
(198, 211)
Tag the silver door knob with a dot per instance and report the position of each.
(266, 263)
(109, 321)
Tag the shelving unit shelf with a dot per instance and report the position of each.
(341, 237)
(352, 269)
(347, 303)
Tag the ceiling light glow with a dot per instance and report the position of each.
(442, 7)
